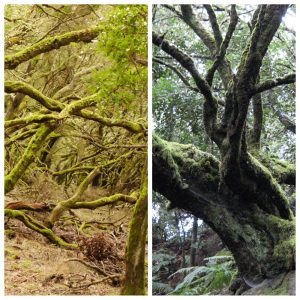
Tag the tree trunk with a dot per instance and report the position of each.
(194, 241)
(134, 282)
(260, 237)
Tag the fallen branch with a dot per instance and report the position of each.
(23, 205)
(90, 266)
(97, 282)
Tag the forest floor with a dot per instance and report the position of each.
(34, 266)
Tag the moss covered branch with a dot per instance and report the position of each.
(130, 126)
(192, 20)
(20, 136)
(51, 43)
(37, 118)
(74, 108)
(104, 201)
(64, 205)
(26, 89)
(28, 157)
(283, 171)
(190, 179)
(36, 226)
(223, 44)
(269, 84)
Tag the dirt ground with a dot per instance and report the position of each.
(34, 266)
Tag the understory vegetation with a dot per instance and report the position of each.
(224, 149)
(75, 149)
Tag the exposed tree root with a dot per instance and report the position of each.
(36, 226)
(105, 201)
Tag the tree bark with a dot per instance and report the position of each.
(194, 240)
(134, 282)
(260, 239)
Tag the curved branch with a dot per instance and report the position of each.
(173, 10)
(130, 126)
(26, 89)
(192, 20)
(34, 225)
(38, 118)
(178, 73)
(28, 157)
(210, 104)
(56, 42)
(74, 108)
(64, 205)
(104, 201)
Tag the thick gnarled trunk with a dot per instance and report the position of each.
(261, 240)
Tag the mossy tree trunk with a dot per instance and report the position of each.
(259, 237)
(239, 195)
(134, 282)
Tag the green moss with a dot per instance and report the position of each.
(26, 264)
(134, 283)
(27, 158)
(282, 289)
(36, 226)
(51, 43)
(194, 165)
(10, 233)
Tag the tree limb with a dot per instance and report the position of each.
(51, 43)
(210, 104)
(74, 108)
(269, 84)
(178, 73)
(104, 201)
(34, 225)
(28, 156)
(38, 118)
(214, 24)
(26, 89)
(223, 45)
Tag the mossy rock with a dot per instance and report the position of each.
(283, 284)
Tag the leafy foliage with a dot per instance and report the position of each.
(202, 280)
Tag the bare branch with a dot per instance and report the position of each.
(173, 10)
(178, 73)
(214, 24)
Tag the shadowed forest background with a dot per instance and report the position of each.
(224, 149)
(75, 149)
